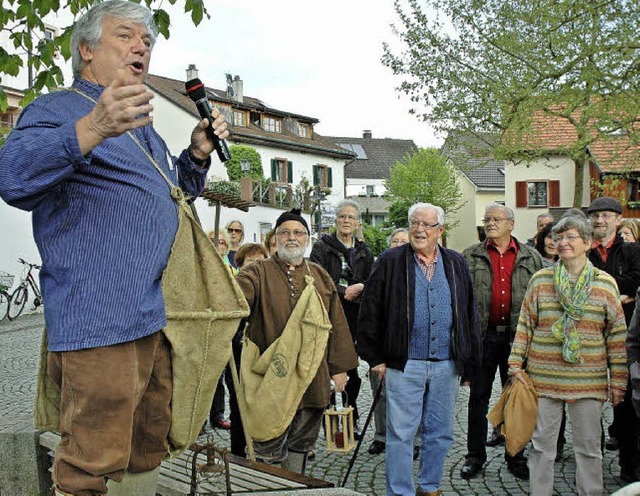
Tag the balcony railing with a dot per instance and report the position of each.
(263, 192)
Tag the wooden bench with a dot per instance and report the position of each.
(246, 477)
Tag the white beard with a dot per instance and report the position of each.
(291, 254)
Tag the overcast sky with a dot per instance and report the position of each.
(319, 59)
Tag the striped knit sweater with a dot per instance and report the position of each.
(602, 333)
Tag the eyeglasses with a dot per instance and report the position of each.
(570, 238)
(415, 224)
(602, 215)
(285, 233)
(231, 230)
(489, 220)
(346, 217)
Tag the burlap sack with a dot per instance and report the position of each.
(273, 383)
(204, 307)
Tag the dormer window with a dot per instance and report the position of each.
(271, 124)
(7, 120)
(238, 118)
(49, 33)
(304, 130)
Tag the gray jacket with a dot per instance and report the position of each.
(528, 262)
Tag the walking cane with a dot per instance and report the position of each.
(376, 397)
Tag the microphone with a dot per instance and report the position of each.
(195, 90)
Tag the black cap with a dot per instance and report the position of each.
(605, 203)
(293, 214)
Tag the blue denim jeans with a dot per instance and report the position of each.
(423, 395)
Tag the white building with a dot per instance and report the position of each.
(289, 148)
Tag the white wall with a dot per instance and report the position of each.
(357, 187)
(17, 241)
(471, 214)
(553, 168)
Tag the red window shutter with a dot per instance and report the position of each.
(521, 194)
(554, 193)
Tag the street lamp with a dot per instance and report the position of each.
(245, 167)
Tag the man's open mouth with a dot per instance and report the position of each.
(137, 66)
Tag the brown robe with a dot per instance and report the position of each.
(272, 292)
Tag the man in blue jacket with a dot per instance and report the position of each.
(419, 330)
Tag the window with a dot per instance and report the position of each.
(634, 192)
(281, 170)
(304, 130)
(7, 120)
(271, 124)
(370, 190)
(49, 34)
(238, 118)
(537, 194)
(356, 148)
(225, 110)
(322, 176)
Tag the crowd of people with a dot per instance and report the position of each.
(427, 319)
(559, 311)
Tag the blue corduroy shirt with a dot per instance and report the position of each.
(433, 317)
(104, 223)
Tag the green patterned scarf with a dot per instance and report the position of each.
(573, 299)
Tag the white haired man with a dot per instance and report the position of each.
(419, 330)
(84, 162)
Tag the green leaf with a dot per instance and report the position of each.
(162, 21)
(4, 104)
(10, 64)
(197, 12)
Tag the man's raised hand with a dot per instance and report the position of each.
(123, 105)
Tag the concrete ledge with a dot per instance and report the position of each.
(24, 466)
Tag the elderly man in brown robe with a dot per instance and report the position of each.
(296, 342)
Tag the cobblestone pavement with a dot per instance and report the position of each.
(19, 345)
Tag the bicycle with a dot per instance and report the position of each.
(20, 296)
(6, 281)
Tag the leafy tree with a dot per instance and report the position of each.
(424, 176)
(22, 19)
(240, 153)
(499, 66)
(375, 237)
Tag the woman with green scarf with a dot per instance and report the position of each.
(571, 336)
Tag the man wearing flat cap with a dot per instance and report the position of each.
(297, 341)
(622, 261)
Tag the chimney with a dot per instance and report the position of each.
(237, 89)
(366, 134)
(192, 72)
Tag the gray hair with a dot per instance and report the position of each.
(542, 216)
(575, 212)
(420, 206)
(348, 203)
(88, 29)
(508, 212)
(574, 222)
(396, 231)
